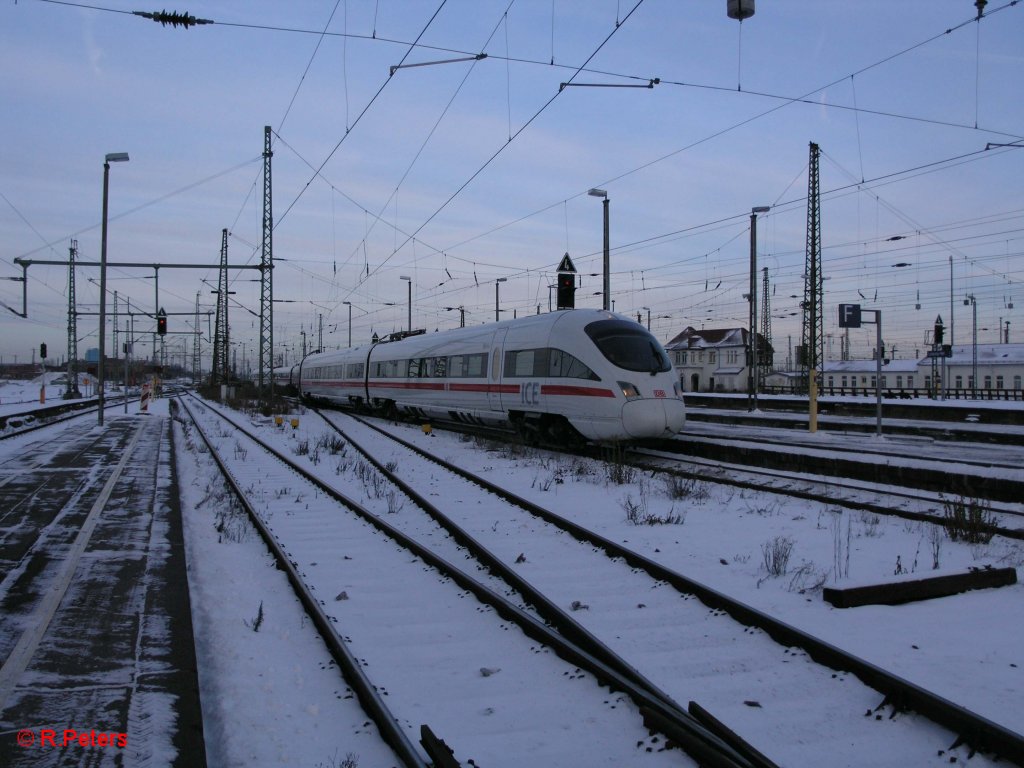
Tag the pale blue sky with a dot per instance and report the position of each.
(419, 177)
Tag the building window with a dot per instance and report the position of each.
(999, 382)
(831, 381)
(988, 382)
(711, 356)
(843, 382)
(910, 381)
(970, 382)
(899, 382)
(884, 384)
(1016, 382)
(959, 381)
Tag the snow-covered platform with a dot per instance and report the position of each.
(95, 624)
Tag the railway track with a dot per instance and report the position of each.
(903, 694)
(16, 424)
(996, 519)
(822, 482)
(942, 469)
(565, 677)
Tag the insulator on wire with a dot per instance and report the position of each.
(173, 18)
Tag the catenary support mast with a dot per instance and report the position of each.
(266, 377)
(72, 385)
(812, 339)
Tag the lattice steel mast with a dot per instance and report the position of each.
(196, 350)
(72, 387)
(221, 372)
(266, 378)
(812, 337)
(766, 325)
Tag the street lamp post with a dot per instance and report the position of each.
(408, 279)
(113, 157)
(349, 322)
(648, 317)
(974, 341)
(752, 378)
(497, 309)
(606, 302)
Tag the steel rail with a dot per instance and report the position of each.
(544, 606)
(80, 407)
(693, 737)
(938, 480)
(924, 517)
(371, 701)
(980, 732)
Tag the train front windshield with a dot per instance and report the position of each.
(628, 345)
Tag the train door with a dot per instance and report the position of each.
(494, 370)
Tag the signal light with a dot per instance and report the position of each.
(161, 325)
(42, 351)
(566, 290)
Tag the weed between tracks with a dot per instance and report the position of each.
(967, 521)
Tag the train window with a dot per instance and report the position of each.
(391, 369)
(564, 365)
(416, 368)
(525, 362)
(628, 345)
(475, 366)
(434, 367)
(461, 366)
(355, 370)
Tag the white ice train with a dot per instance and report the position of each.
(554, 377)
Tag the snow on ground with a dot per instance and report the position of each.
(257, 686)
(965, 648)
(45, 390)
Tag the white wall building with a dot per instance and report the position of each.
(716, 360)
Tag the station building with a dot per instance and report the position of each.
(715, 360)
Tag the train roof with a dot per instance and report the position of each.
(571, 318)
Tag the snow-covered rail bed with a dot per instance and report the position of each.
(1003, 518)
(777, 698)
(437, 656)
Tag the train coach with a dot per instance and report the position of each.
(557, 377)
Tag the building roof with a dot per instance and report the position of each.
(869, 366)
(988, 355)
(712, 338)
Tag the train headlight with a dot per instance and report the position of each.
(629, 390)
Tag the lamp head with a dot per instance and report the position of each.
(117, 157)
(597, 193)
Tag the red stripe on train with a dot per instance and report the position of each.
(563, 389)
